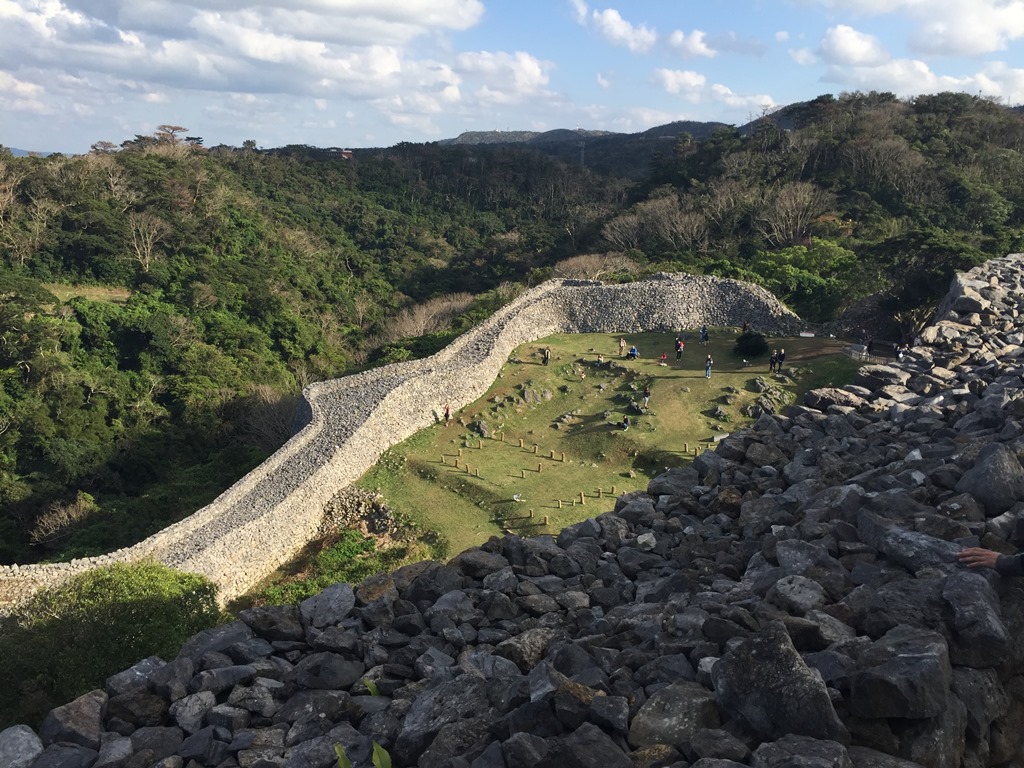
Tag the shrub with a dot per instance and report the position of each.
(67, 640)
(751, 344)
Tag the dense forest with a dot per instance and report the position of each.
(162, 303)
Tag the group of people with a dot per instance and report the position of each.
(776, 360)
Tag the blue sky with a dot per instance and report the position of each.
(358, 73)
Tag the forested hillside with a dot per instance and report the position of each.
(162, 303)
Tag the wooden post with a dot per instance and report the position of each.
(460, 452)
(476, 471)
(613, 490)
(686, 448)
(559, 503)
(456, 463)
(480, 445)
(502, 436)
(583, 498)
(531, 514)
(467, 469)
(442, 459)
(552, 454)
(522, 473)
(563, 457)
(545, 519)
(539, 467)
(574, 501)
(520, 442)
(600, 493)
(534, 449)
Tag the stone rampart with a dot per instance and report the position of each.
(266, 517)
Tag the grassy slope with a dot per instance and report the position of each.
(463, 507)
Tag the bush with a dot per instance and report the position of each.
(67, 640)
(751, 344)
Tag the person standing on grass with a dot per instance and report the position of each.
(781, 360)
(773, 361)
(622, 346)
(707, 367)
(447, 414)
(546, 355)
(680, 346)
(647, 395)
(704, 335)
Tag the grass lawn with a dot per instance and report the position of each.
(102, 293)
(534, 414)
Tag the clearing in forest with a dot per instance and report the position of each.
(545, 447)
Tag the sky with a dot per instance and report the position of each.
(372, 73)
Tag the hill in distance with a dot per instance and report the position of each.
(618, 154)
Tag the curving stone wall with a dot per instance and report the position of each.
(270, 514)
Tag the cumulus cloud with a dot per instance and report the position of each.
(694, 87)
(680, 81)
(805, 57)
(694, 44)
(845, 45)
(945, 27)
(618, 31)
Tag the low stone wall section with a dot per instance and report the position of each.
(265, 518)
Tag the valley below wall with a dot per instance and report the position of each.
(264, 519)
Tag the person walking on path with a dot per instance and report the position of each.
(622, 346)
(773, 361)
(447, 414)
(647, 395)
(546, 355)
(704, 335)
(781, 360)
(707, 367)
(680, 346)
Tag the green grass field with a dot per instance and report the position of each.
(466, 487)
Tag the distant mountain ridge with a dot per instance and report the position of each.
(619, 154)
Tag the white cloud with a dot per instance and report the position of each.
(844, 45)
(618, 31)
(603, 81)
(694, 44)
(680, 81)
(509, 78)
(946, 27)
(580, 11)
(694, 87)
(805, 57)
(781, 36)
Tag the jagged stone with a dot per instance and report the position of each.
(904, 674)
(79, 722)
(673, 714)
(329, 608)
(996, 479)
(764, 682)
(19, 746)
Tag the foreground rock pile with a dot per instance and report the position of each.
(792, 599)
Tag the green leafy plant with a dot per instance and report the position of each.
(69, 639)
(371, 686)
(381, 758)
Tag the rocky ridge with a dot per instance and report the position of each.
(791, 599)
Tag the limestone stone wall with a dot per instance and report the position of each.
(265, 518)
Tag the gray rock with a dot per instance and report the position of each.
(794, 750)
(589, 746)
(764, 682)
(328, 671)
(66, 755)
(274, 622)
(80, 722)
(996, 479)
(19, 746)
(215, 639)
(329, 608)
(673, 714)
(905, 674)
(440, 704)
(161, 741)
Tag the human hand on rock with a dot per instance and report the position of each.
(977, 557)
